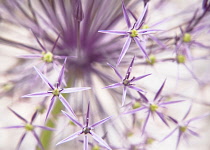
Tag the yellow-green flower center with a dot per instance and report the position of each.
(145, 26)
(96, 147)
(126, 82)
(152, 60)
(180, 59)
(150, 141)
(136, 105)
(47, 57)
(153, 107)
(134, 33)
(56, 92)
(183, 128)
(29, 127)
(187, 37)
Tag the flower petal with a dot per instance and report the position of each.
(72, 119)
(135, 88)
(38, 140)
(140, 77)
(124, 95)
(127, 20)
(118, 32)
(124, 49)
(21, 140)
(19, 116)
(38, 94)
(99, 140)
(60, 78)
(50, 107)
(159, 91)
(139, 21)
(100, 122)
(72, 90)
(113, 85)
(129, 69)
(45, 128)
(134, 110)
(85, 143)
(44, 78)
(116, 71)
(140, 46)
(71, 137)
(66, 105)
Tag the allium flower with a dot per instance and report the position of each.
(56, 91)
(152, 107)
(184, 128)
(133, 32)
(86, 129)
(126, 82)
(29, 127)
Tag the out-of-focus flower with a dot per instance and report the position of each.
(153, 106)
(184, 128)
(29, 127)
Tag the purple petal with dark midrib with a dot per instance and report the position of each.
(66, 105)
(38, 94)
(114, 32)
(116, 71)
(72, 90)
(137, 24)
(141, 47)
(44, 78)
(124, 95)
(16, 114)
(45, 128)
(140, 77)
(124, 50)
(129, 69)
(113, 86)
(60, 78)
(100, 122)
(159, 91)
(88, 115)
(85, 143)
(127, 20)
(71, 137)
(50, 107)
(99, 140)
(38, 140)
(72, 119)
(21, 140)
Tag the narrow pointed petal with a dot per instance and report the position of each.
(187, 113)
(169, 134)
(54, 45)
(199, 117)
(71, 137)
(99, 140)
(159, 91)
(66, 105)
(12, 127)
(38, 94)
(50, 107)
(143, 97)
(193, 132)
(148, 31)
(140, 77)
(38, 140)
(172, 102)
(135, 110)
(88, 114)
(60, 78)
(16, 114)
(40, 44)
(138, 23)
(33, 117)
(100, 122)
(174, 120)
(85, 143)
(114, 32)
(161, 116)
(129, 69)
(145, 123)
(141, 47)
(21, 140)
(127, 20)
(178, 140)
(135, 88)
(113, 86)
(30, 56)
(124, 50)
(116, 71)
(124, 95)
(45, 128)
(44, 78)
(72, 119)
(72, 90)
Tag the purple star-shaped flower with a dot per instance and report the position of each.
(56, 91)
(126, 82)
(28, 127)
(183, 127)
(86, 129)
(133, 32)
(153, 106)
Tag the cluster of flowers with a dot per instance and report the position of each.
(74, 31)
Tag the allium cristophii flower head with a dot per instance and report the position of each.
(62, 43)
